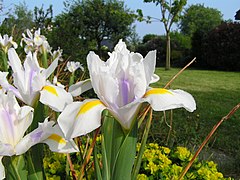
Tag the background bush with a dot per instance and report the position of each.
(221, 48)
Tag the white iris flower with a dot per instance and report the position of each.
(15, 120)
(30, 82)
(122, 85)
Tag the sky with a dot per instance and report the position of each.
(227, 7)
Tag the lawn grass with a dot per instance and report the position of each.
(216, 93)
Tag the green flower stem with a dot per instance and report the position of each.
(5, 61)
(118, 149)
(138, 161)
(71, 80)
(44, 59)
(35, 154)
(125, 156)
(107, 143)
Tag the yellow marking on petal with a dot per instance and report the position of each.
(87, 106)
(157, 91)
(57, 138)
(51, 90)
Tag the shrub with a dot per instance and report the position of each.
(180, 48)
(221, 48)
(163, 163)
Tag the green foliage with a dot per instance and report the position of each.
(55, 165)
(15, 167)
(148, 37)
(171, 13)
(158, 162)
(86, 24)
(16, 22)
(201, 18)
(163, 163)
(197, 21)
(180, 48)
(171, 10)
(237, 16)
(43, 19)
(157, 43)
(221, 47)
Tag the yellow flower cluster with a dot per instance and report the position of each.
(163, 163)
(183, 154)
(158, 162)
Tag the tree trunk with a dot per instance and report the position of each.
(168, 52)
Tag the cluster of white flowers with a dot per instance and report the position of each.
(121, 84)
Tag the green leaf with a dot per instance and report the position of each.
(5, 60)
(108, 147)
(125, 157)
(96, 164)
(35, 163)
(34, 156)
(15, 168)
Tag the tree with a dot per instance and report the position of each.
(221, 47)
(237, 16)
(86, 24)
(15, 23)
(171, 11)
(198, 17)
(106, 20)
(43, 19)
(197, 22)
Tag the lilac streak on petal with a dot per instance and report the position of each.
(36, 137)
(9, 123)
(15, 91)
(32, 72)
(125, 88)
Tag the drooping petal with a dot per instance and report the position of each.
(2, 169)
(80, 118)
(80, 87)
(57, 142)
(36, 136)
(47, 133)
(163, 99)
(55, 97)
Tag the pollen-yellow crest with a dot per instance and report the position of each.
(50, 89)
(87, 106)
(157, 91)
(57, 138)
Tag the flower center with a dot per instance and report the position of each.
(125, 89)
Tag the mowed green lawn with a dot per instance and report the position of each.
(216, 93)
